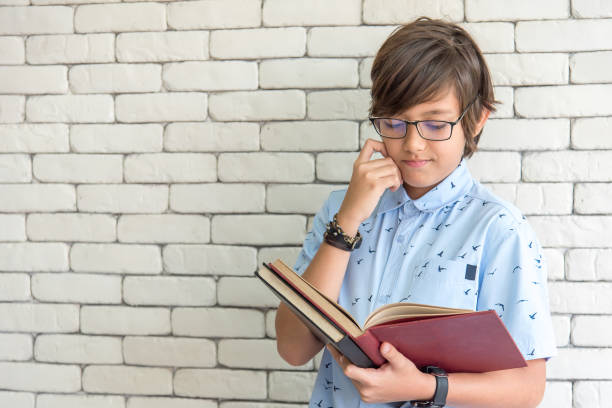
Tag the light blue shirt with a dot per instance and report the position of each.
(421, 250)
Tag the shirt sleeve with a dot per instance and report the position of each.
(513, 282)
(314, 238)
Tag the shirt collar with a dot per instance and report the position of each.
(453, 187)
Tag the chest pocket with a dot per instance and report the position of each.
(444, 282)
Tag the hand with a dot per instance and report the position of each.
(368, 182)
(397, 380)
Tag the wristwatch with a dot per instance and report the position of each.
(338, 238)
(439, 398)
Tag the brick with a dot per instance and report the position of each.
(258, 105)
(210, 76)
(505, 109)
(542, 198)
(211, 137)
(568, 35)
(13, 227)
(122, 198)
(170, 167)
(76, 288)
(239, 404)
(595, 394)
(401, 12)
(71, 227)
(171, 291)
(33, 80)
(294, 387)
(15, 168)
(557, 394)
(244, 291)
(528, 69)
(580, 363)
(592, 133)
(115, 78)
(562, 327)
(297, 198)
(14, 287)
(258, 43)
(220, 383)
(576, 166)
(78, 168)
(209, 260)
(40, 377)
(313, 13)
(479, 10)
(254, 353)
(17, 399)
(349, 104)
(573, 231)
(365, 70)
(70, 108)
(30, 257)
(116, 258)
(589, 67)
(217, 322)
(185, 15)
(36, 20)
(15, 347)
(288, 254)
(556, 263)
(591, 198)
(120, 17)
(266, 167)
(34, 138)
(116, 138)
(164, 228)
(127, 380)
(39, 318)
(525, 134)
(247, 229)
(592, 331)
(12, 108)
(271, 323)
(162, 46)
(125, 320)
(77, 401)
(70, 48)
(13, 50)
(335, 167)
(68, 348)
(167, 402)
(172, 352)
(308, 73)
(161, 107)
(492, 37)
(361, 41)
(591, 8)
(580, 297)
(589, 264)
(310, 136)
(563, 101)
(217, 198)
(496, 166)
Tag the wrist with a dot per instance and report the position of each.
(348, 224)
(427, 388)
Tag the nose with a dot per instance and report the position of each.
(413, 142)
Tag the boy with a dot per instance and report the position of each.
(429, 233)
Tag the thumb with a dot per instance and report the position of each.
(393, 356)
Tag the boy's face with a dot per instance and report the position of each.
(425, 163)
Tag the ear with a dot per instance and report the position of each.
(483, 119)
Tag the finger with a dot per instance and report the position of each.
(392, 181)
(369, 147)
(393, 356)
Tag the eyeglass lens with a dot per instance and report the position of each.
(429, 129)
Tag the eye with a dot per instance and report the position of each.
(434, 125)
(393, 123)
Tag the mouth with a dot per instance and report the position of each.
(415, 163)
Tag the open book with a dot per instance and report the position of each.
(457, 340)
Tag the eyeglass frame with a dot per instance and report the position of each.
(416, 122)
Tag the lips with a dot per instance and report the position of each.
(416, 163)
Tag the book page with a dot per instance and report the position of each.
(402, 310)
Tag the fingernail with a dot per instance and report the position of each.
(386, 348)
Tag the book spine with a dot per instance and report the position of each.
(371, 346)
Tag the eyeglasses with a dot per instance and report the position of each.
(437, 130)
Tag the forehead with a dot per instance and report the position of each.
(444, 102)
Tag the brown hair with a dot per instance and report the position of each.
(425, 57)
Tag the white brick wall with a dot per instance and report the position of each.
(145, 146)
